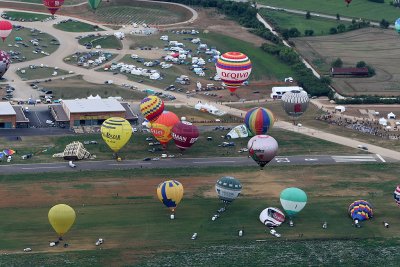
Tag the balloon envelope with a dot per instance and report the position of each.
(272, 217)
(94, 4)
(293, 200)
(233, 68)
(5, 29)
(151, 107)
(262, 149)
(4, 62)
(259, 120)
(396, 195)
(228, 188)
(360, 210)
(161, 128)
(61, 217)
(170, 193)
(116, 132)
(295, 103)
(184, 134)
(53, 5)
(397, 25)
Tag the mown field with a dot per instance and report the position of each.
(357, 9)
(104, 41)
(40, 73)
(287, 20)
(120, 206)
(17, 15)
(77, 26)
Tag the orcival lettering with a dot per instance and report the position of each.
(112, 136)
(235, 75)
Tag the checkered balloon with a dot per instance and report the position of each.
(4, 62)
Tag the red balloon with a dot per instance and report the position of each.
(348, 2)
(184, 134)
(53, 5)
(161, 128)
(5, 29)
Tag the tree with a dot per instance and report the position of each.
(332, 30)
(294, 32)
(338, 63)
(341, 28)
(361, 64)
(308, 15)
(337, 16)
(308, 32)
(384, 24)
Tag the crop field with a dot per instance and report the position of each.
(352, 47)
(285, 20)
(77, 26)
(40, 73)
(357, 9)
(47, 43)
(121, 207)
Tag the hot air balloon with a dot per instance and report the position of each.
(116, 132)
(259, 120)
(184, 134)
(5, 29)
(272, 217)
(348, 2)
(397, 25)
(53, 5)
(94, 4)
(4, 62)
(293, 200)
(262, 149)
(228, 189)
(161, 128)
(360, 210)
(396, 195)
(61, 217)
(151, 107)
(170, 193)
(295, 103)
(233, 68)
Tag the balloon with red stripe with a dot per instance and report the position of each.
(233, 68)
(5, 29)
(53, 5)
(396, 195)
(259, 120)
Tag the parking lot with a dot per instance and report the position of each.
(38, 115)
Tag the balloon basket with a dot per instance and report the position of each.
(172, 216)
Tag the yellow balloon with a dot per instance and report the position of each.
(61, 217)
(170, 193)
(116, 132)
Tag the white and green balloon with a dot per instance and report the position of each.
(228, 188)
(293, 200)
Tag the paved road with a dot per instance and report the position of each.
(187, 163)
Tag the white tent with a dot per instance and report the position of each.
(391, 116)
(94, 97)
(383, 121)
(340, 108)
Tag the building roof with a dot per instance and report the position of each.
(6, 109)
(20, 114)
(58, 113)
(129, 115)
(93, 105)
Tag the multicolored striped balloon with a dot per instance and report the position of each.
(396, 195)
(151, 107)
(233, 68)
(259, 120)
(360, 210)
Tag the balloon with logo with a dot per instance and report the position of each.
(53, 5)
(397, 25)
(259, 120)
(228, 188)
(5, 29)
(61, 218)
(293, 200)
(396, 195)
(295, 103)
(161, 128)
(233, 68)
(272, 217)
(94, 4)
(184, 134)
(170, 193)
(262, 149)
(151, 107)
(360, 210)
(5, 62)
(116, 132)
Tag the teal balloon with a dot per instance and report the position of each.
(293, 200)
(94, 4)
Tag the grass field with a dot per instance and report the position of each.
(40, 73)
(104, 41)
(357, 9)
(45, 43)
(76, 26)
(286, 20)
(17, 15)
(137, 229)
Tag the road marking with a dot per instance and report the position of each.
(341, 159)
(205, 162)
(279, 160)
(310, 159)
(380, 157)
(35, 168)
(128, 164)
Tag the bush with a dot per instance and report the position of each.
(384, 24)
(332, 30)
(309, 32)
(308, 15)
(377, 1)
(341, 28)
(361, 64)
(337, 63)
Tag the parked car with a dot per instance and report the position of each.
(146, 159)
(275, 233)
(71, 164)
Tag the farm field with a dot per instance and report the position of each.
(121, 207)
(357, 9)
(47, 43)
(286, 20)
(77, 26)
(352, 47)
(17, 15)
(40, 73)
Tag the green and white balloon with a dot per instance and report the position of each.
(293, 200)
